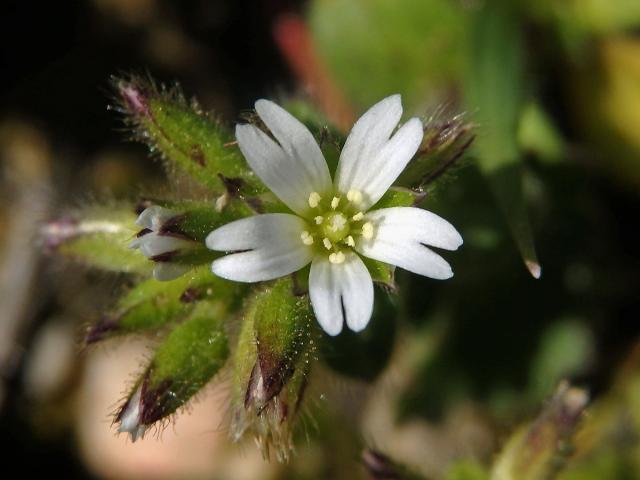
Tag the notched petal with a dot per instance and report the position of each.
(402, 236)
(268, 246)
(341, 293)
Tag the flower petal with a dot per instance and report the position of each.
(153, 217)
(401, 236)
(129, 417)
(269, 247)
(153, 244)
(292, 169)
(341, 292)
(370, 161)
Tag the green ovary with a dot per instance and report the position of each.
(335, 227)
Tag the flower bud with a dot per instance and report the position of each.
(166, 244)
(271, 366)
(182, 134)
(129, 416)
(184, 363)
(445, 141)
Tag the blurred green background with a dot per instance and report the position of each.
(447, 371)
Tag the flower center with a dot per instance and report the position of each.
(337, 224)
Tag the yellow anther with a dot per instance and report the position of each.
(354, 196)
(335, 201)
(314, 199)
(337, 258)
(358, 216)
(350, 241)
(327, 243)
(306, 237)
(367, 230)
(319, 219)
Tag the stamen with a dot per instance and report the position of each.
(314, 199)
(327, 243)
(319, 219)
(335, 202)
(337, 258)
(354, 196)
(358, 216)
(367, 230)
(350, 241)
(307, 238)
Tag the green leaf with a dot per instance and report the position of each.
(187, 138)
(185, 362)
(194, 351)
(538, 134)
(152, 304)
(494, 88)
(98, 237)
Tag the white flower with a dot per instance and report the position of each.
(332, 224)
(160, 246)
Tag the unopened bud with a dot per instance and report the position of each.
(184, 363)
(445, 141)
(173, 238)
(129, 416)
(272, 362)
(182, 133)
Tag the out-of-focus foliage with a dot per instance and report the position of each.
(376, 48)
